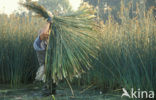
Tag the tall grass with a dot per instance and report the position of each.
(127, 56)
(128, 53)
(17, 57)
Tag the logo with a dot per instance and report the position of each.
(137, 94)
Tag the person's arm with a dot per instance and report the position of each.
(37, 45)
(43, 35)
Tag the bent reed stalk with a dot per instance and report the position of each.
(71, 44)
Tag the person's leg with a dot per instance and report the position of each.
(51, 86)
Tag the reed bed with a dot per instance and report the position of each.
(126, 58)
(17, 57)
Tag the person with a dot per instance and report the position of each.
(40, 45)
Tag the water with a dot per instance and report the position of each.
(31, 92)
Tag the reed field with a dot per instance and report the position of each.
(126, 58)
(18, 59)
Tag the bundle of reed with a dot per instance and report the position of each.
(72, 42)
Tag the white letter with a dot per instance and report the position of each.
(151, 94)
(138, 93)
(142, 94)
(133, 94)
(125, 93)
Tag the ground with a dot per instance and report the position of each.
(31, 92)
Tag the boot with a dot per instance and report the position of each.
(52, 87)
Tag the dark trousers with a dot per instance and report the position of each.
(51, 85)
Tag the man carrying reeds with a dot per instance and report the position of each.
(40, 45)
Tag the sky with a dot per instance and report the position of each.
(9, 6)
(75, 4)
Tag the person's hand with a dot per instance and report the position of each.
(49, 20)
